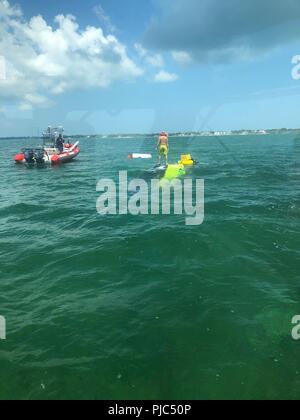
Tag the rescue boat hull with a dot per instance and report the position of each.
(48, 159)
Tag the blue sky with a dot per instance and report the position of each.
(141, 66)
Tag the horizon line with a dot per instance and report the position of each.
(187, 133)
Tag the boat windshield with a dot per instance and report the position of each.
(51, 135)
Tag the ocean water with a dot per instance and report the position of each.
(126, 307)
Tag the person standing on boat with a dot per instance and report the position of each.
(163, 146)
(60, 143)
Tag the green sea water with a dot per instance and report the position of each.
(125, 307)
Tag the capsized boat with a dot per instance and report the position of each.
(158, 170)
(49, 153)
(139, 156)
(168, 172)
(174, 171)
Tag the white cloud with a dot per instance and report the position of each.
(165, 77)
(142, 52)
(182, 57)
(104, 18)
(155, 60)
(7, 10)
(43, 60)
(2, 68)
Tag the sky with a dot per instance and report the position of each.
(116, 66)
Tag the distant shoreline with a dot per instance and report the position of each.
(183, 135)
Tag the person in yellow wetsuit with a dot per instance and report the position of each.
(163, 146)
